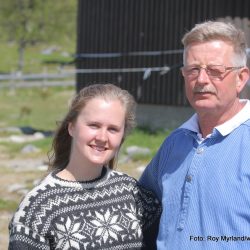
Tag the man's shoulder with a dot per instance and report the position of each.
(177, 134)
(247, 122)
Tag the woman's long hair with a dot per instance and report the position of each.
(59, 155)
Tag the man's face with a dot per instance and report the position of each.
(208, 94)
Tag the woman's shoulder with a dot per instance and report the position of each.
(27, 204)
(125, 178)
(42, 189)
(116, 174)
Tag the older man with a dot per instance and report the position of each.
(202, 170)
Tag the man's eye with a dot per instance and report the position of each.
(214, 72)
(194, 70)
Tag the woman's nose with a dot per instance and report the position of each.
(101, 135)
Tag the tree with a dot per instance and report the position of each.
(28, 22)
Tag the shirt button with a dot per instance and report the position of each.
(188, 178)
(199, 150)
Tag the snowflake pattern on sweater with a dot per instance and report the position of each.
(112, 212)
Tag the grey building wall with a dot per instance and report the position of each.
(161, 116)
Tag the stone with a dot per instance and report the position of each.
(135, 150)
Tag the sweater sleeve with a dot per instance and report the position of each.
(149, 208)
(22, 237)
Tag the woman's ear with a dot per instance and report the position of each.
(71, 129)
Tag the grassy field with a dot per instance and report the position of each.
(39, 108)
(35, 60)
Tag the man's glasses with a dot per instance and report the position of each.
(215, 72)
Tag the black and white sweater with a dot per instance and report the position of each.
(112, 212)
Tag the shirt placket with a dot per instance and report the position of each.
(189, 184)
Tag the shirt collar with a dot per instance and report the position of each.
(225, 128)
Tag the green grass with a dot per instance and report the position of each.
(34, 60)
(8, 205)
(145, 138)
(39, 108)
(9, 57)
(14, 149)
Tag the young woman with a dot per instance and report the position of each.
(83, 203)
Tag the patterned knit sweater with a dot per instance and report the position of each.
(111, 212)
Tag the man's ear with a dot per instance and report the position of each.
(242, 79)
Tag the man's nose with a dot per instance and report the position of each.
(203, 76)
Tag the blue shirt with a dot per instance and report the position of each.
(204, 185)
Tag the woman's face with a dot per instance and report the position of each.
(97, 133)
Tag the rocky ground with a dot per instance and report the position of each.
(4, 220)
(17, 176)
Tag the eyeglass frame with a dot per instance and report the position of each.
(205, 67)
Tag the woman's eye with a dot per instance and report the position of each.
(113, 130)
(94, 126)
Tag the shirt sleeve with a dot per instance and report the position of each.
(151, 177)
